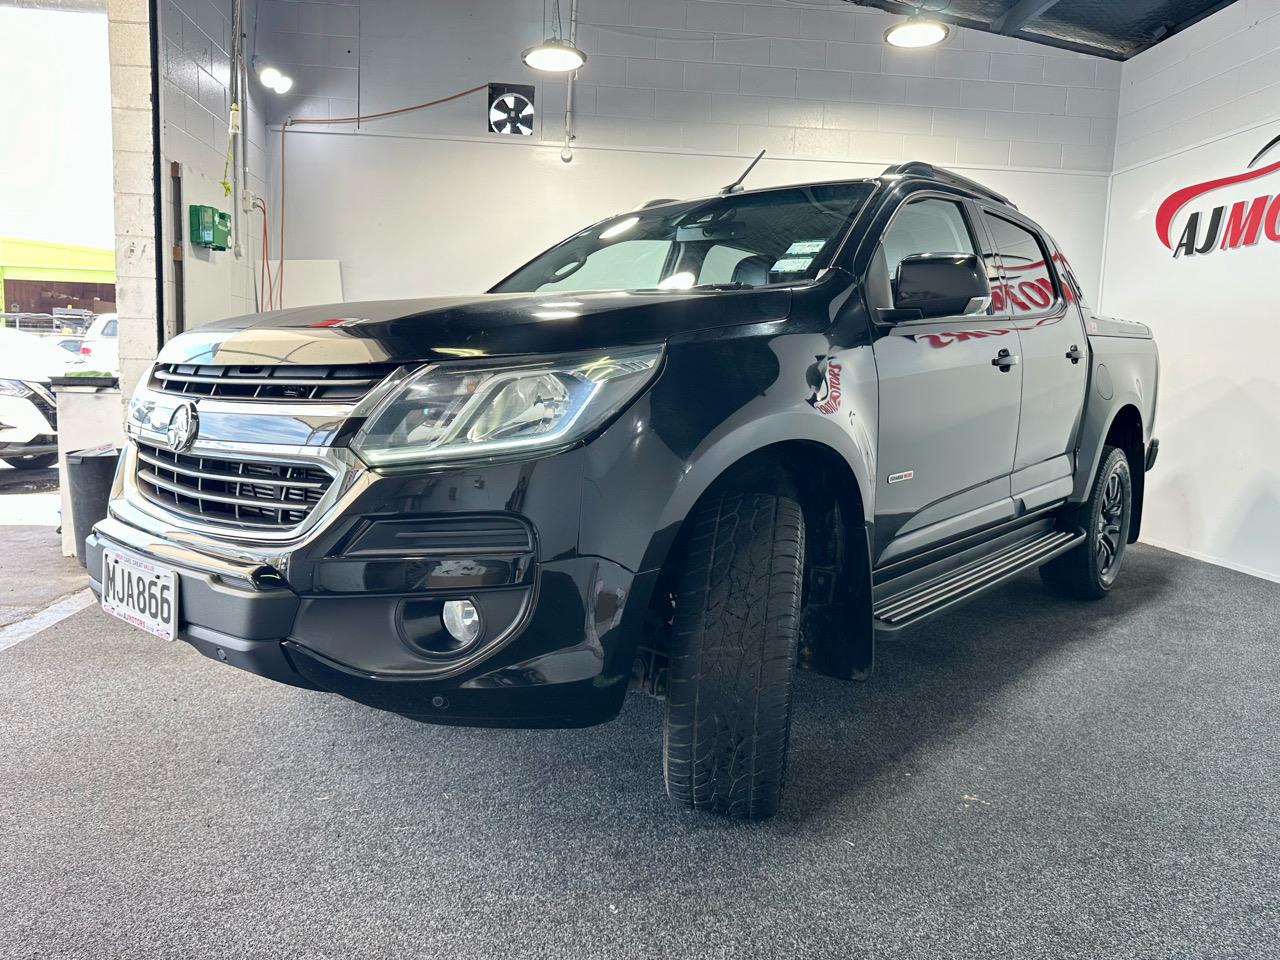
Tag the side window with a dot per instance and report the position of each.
(925, 226)
(1028, 286)
(625, 265)
(111, 328)
(922, 226)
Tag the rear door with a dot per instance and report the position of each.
(1054, 361)
(948, 414)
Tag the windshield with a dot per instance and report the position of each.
(743, 240)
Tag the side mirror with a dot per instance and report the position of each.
(942, 285)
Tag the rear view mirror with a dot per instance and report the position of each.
(942, 285)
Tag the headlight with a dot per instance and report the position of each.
(461, 411)
(14, 388)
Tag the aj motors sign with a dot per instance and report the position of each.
(1227, 225)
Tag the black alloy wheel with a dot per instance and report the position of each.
(1089, 570)
(1112, 528)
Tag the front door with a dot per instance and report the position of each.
(950, 389)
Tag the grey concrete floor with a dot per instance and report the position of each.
(1025, 778)
(33, 572)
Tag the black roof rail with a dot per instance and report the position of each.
(918, 168)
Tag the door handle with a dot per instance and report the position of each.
(1004, 360)
(1075, 354)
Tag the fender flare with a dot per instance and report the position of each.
(724, 448)
(1099, 415)
(848, 652)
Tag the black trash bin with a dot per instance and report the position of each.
(89, 477)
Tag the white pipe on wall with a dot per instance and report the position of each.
(567, 153)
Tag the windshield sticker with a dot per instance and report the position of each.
(802, 247)
(792, 265)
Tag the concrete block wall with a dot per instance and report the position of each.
(317, 43)
(195, 106)
(709, 76)
(128, 32)
(1221, 75)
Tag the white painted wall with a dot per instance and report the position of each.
(810, 79)
(674, 98)
(55, 98)
(409, 216)
(195, 106)
(1216, 77)
(1193, 109)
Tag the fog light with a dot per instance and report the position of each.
(462, 620)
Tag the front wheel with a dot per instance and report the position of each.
(31, 463)
(733, 656)
(1089, 570)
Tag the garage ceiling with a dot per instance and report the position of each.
(1116, 29)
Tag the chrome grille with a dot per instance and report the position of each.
(329, 383)
(251, 493)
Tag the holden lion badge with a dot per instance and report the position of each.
(184, 424)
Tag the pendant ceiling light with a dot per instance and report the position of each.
(917, 30)
(556, 54)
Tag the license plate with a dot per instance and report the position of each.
(140, 592)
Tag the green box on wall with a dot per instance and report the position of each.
(209, 227)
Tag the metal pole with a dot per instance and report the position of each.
(240, 174)
(567, 153)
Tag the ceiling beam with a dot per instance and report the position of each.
(1019, 15)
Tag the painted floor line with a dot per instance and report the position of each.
(56, 612)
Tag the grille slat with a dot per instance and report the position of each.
(306, 383)
(253, 493)
(169, 465)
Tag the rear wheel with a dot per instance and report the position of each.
(1089, 570)
(31, 463)
(733, 656)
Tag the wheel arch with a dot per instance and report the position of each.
(828, 474)
(1125, 432)
(1123, 427)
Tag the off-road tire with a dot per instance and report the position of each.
(733, 656)
(31, 463)
(1088, 571)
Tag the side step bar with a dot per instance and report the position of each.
(934, 596)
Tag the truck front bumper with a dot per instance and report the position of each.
(558, 653)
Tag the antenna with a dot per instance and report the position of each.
(737, 184)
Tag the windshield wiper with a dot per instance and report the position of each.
(735, 285)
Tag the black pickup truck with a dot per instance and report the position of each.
(691, 448)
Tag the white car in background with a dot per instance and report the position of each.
(100, 348)
(28, 415)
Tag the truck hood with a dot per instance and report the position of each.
(478, 326)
